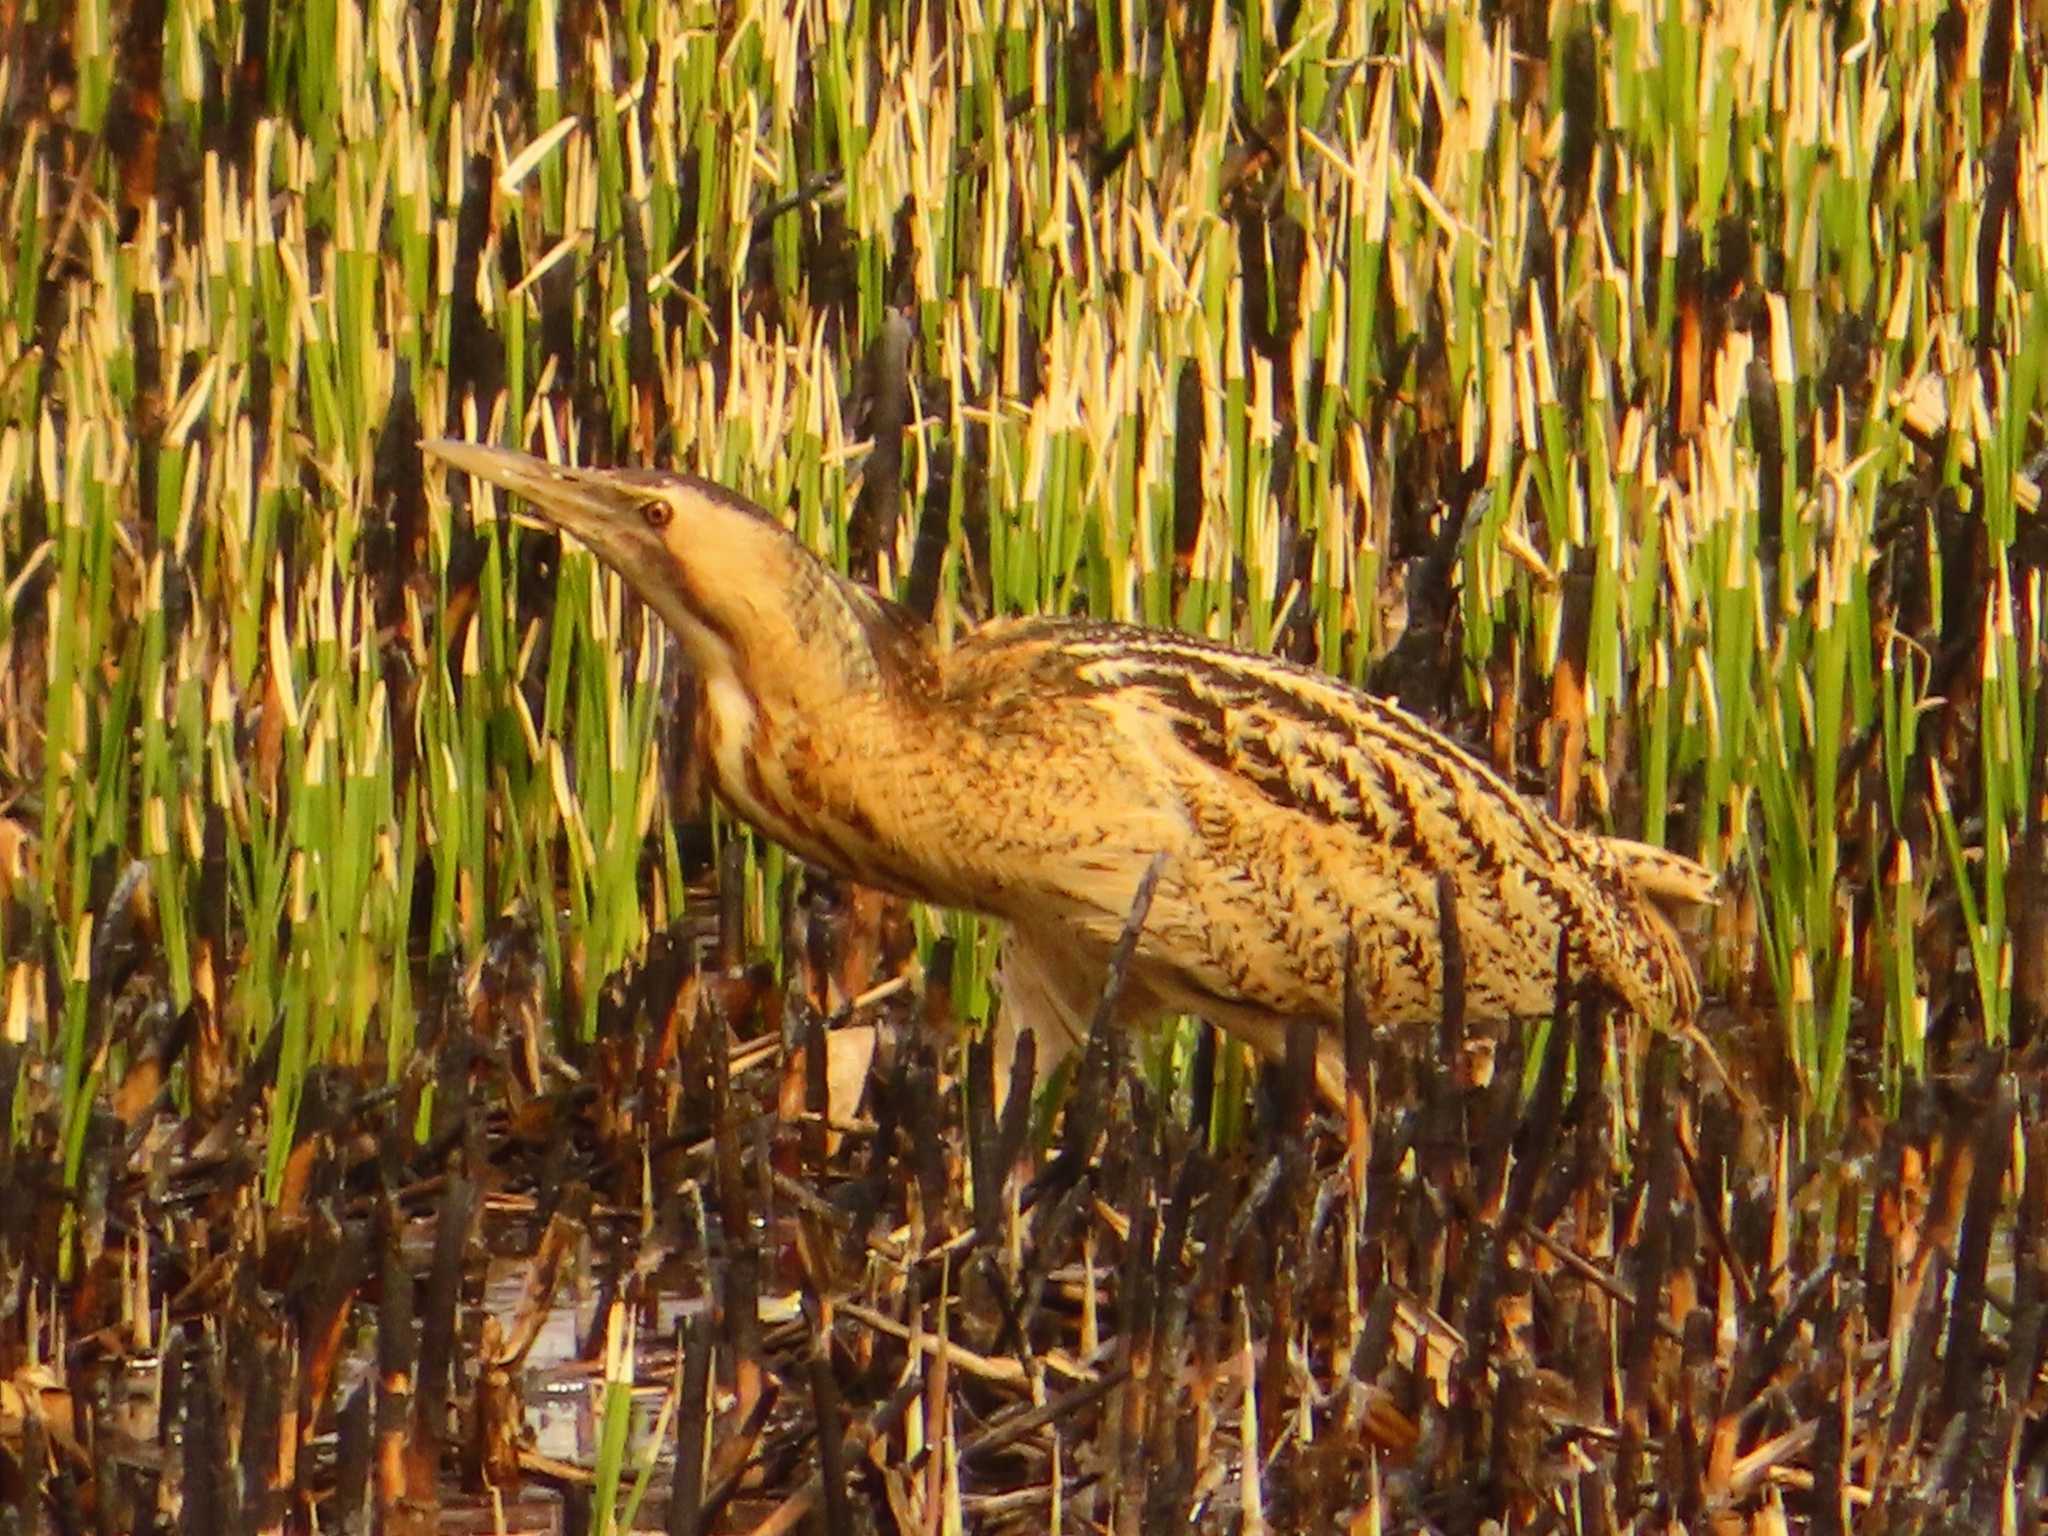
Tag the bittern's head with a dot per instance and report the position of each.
(692, 550)
(745, 598)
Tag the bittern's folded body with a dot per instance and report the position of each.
(1034, 769)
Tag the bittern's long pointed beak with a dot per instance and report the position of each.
(596, 505)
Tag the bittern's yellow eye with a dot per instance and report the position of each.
(657, 512)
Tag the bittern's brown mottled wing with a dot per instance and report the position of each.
(1310, 813)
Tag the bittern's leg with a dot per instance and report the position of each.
(1051, 986)
(1266, 1033)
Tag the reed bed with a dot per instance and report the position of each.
(1652, 396)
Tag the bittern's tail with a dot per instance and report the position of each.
(1632, 944)
(1671, 880)
(1672, 886)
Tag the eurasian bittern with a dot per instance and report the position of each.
(1032, 770)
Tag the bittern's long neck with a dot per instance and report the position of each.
(812, 686)
(806, 696)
